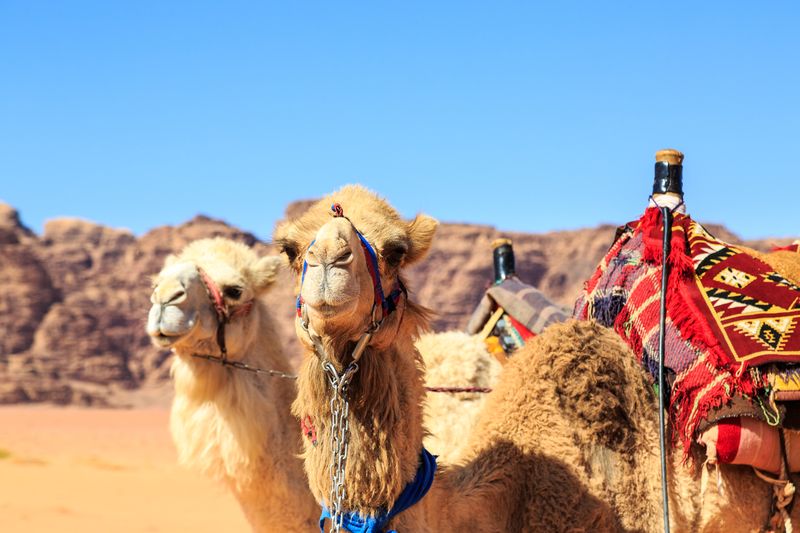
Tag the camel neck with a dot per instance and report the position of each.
(236, 427)
(385, 424)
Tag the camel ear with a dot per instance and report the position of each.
(289, 248)
(280, 238)
(420, 236)
(265, 271)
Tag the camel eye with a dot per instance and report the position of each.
(233, 292)
(394, 252)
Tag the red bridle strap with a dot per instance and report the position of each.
(224, 312)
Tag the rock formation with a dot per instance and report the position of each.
(71, 327)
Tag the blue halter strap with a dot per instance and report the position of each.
(386, 305)
(412, 493)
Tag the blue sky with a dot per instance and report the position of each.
(526, 117)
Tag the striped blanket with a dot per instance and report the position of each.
(525, 304)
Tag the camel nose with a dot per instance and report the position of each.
(154, 320)
(169, 292)
(177, 297)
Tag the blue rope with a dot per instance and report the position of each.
(412, 493)
(375, 269)
(299, 301)
(387, 305)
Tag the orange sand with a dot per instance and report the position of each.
(94, 470)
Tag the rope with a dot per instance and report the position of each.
(453, 390)
(244, 366)
(783, 491)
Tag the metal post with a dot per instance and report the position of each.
(666, 215)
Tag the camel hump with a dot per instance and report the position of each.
(597, 381)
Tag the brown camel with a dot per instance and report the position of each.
(567, 441)
(232, 425)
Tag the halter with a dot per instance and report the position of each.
(225, 314)
(382, 306)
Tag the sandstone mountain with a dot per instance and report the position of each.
(75, 299)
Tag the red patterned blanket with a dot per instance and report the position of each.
(727, 313)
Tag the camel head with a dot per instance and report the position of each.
(184, 315)
(332, 264)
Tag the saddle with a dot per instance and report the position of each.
(732, 336)
(510, 313)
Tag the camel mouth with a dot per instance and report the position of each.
(162, 340)
(326, 311)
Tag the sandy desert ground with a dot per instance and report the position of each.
(91, 470)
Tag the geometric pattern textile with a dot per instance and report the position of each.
(727, 313)
(753, 311)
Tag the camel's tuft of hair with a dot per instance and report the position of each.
(258, 273)
(603, 394)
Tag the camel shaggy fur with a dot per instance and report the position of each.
(785, 263)
(232, 425)
(566, 442)
(454, 359)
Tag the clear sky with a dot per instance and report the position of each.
(526, 117)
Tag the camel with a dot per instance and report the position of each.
(567, 441)
(230, 424)
(454, 359)
(214, 411)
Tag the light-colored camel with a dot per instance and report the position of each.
(230, 424)
(567, 441)
(454, 359)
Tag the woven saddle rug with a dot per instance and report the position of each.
(727, 314)
(527, 305)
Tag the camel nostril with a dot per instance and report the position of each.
(178, 295)
(344, 259)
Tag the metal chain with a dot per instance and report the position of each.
(340, 438)
(244, 366)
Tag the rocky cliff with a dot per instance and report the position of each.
(75, 299)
